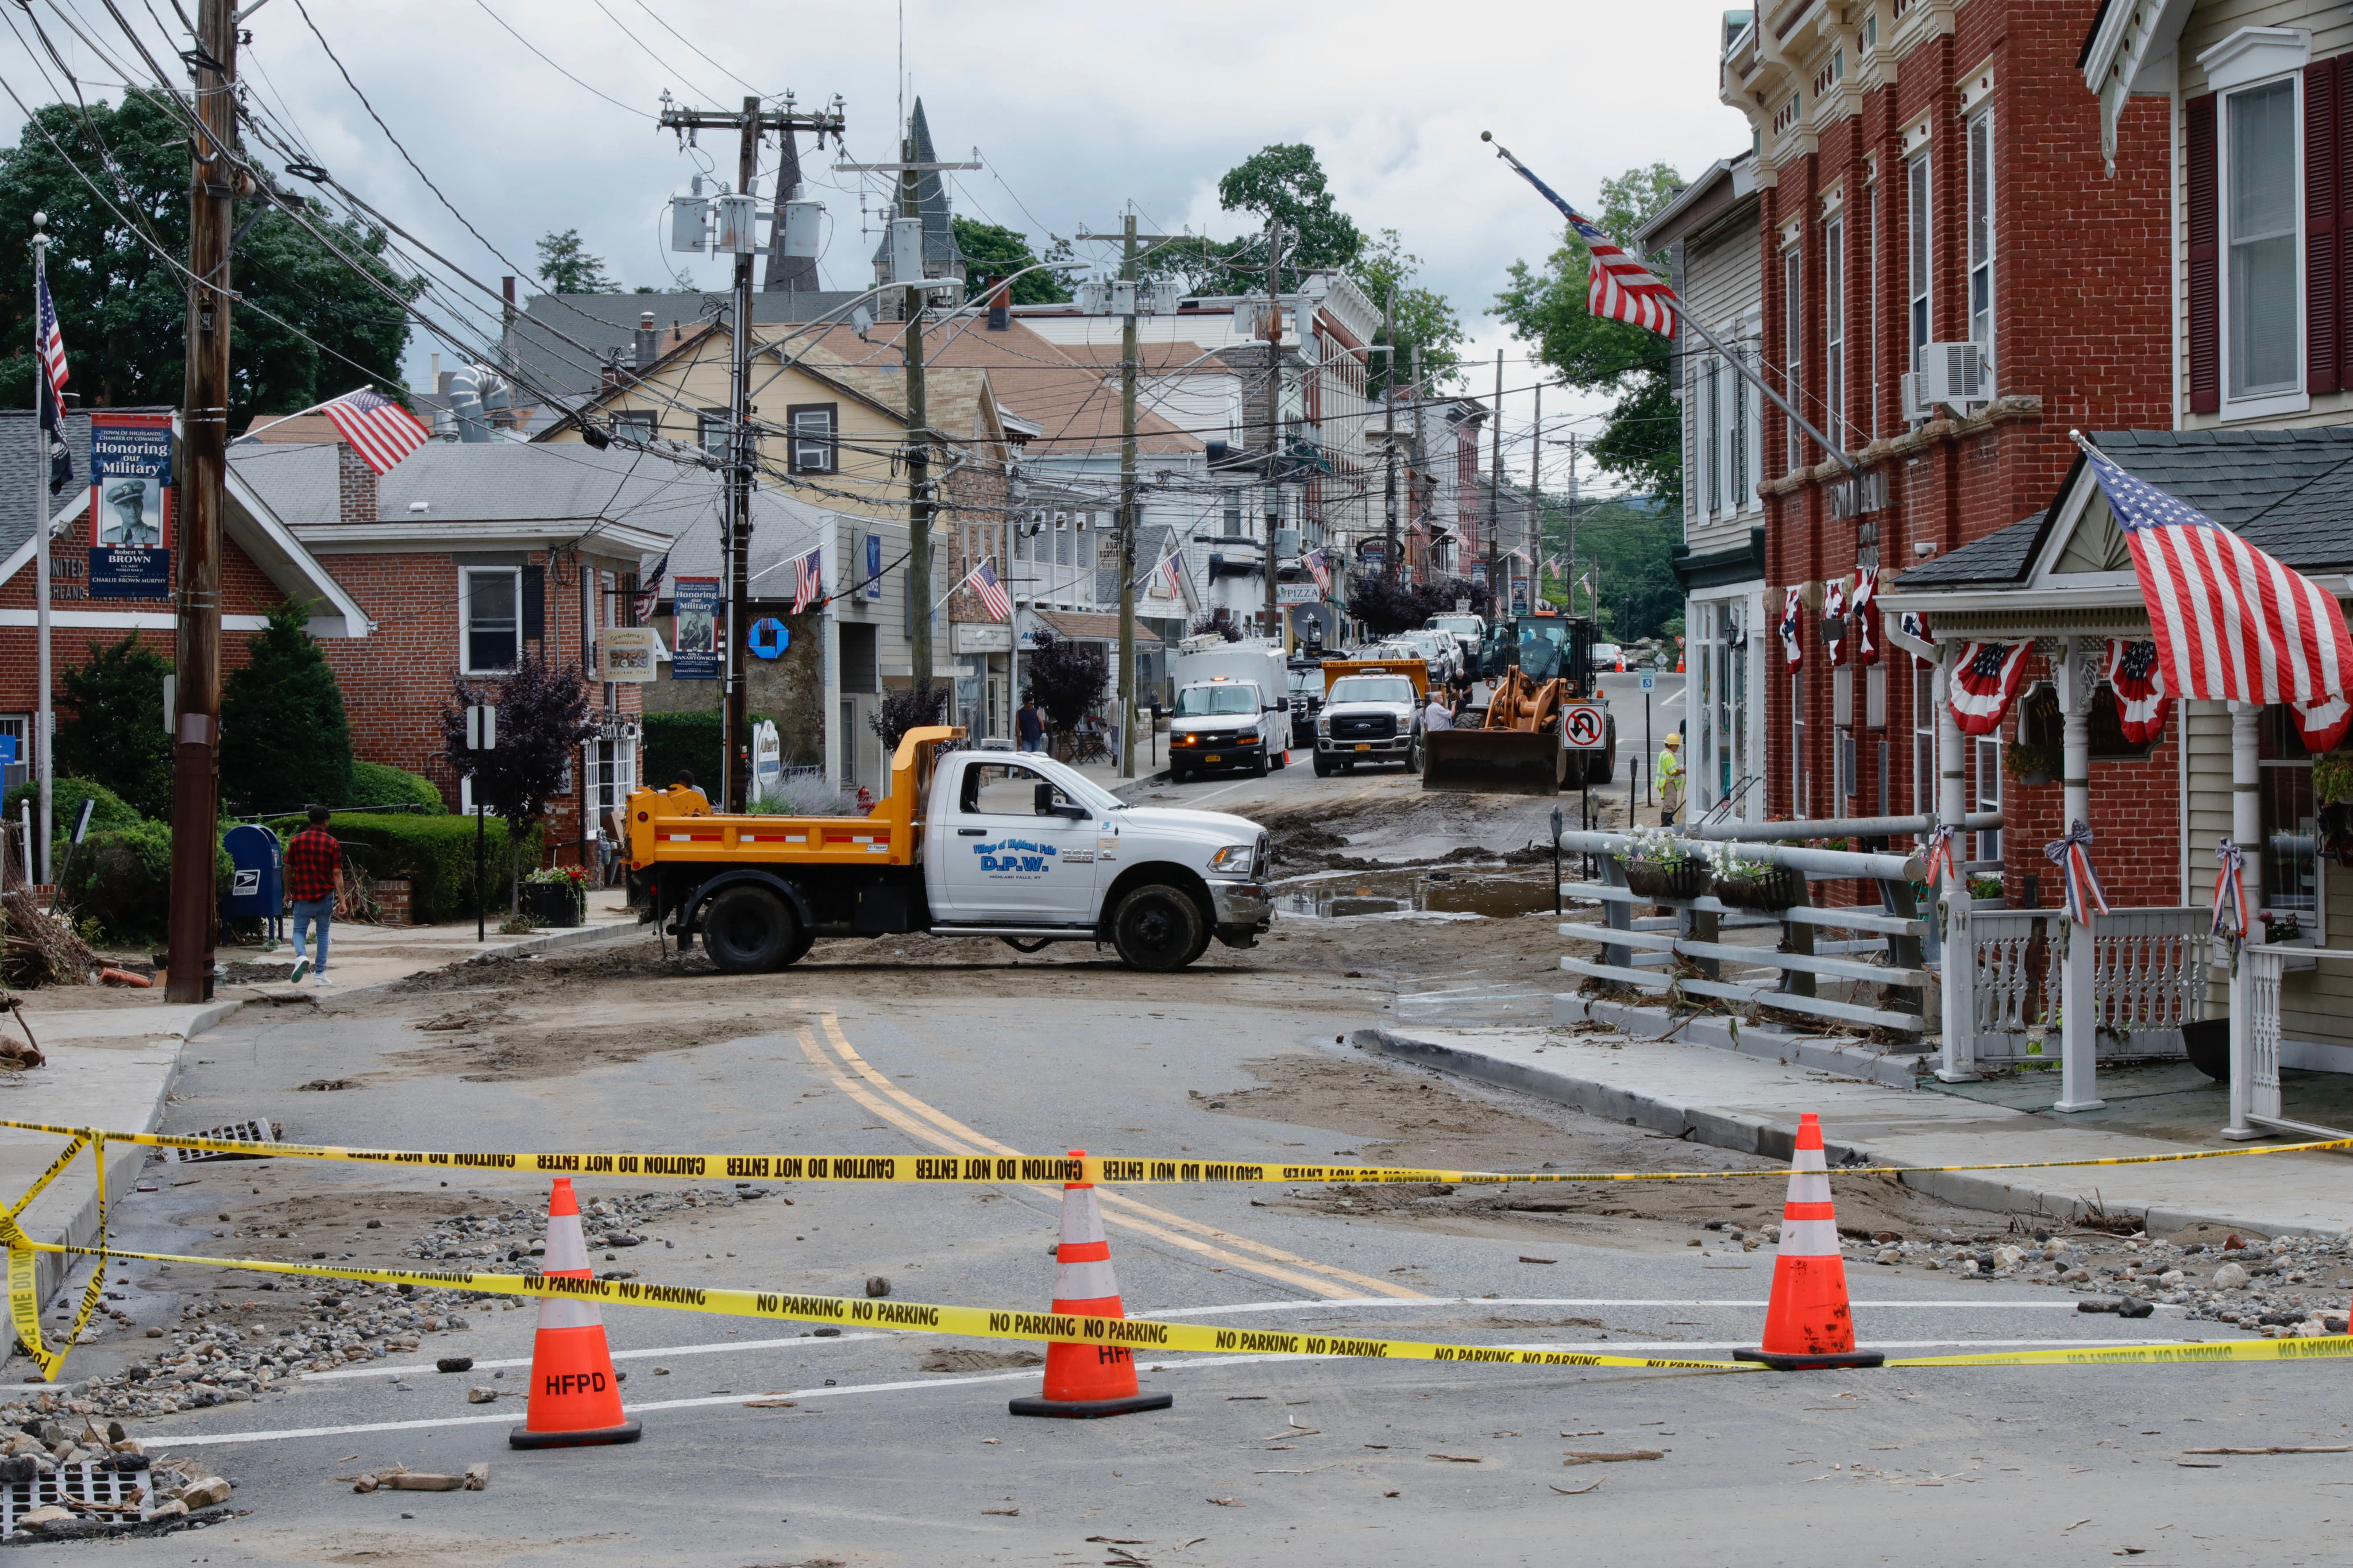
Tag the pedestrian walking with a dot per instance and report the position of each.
(314, 878)
(1029, 724)
(1671, 778)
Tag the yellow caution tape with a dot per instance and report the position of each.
(2327, 1347)
(976, 1322)
(24, 1289)
(1107, 1169)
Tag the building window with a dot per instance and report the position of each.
(1834, 328)
(1744, 421)
(1712, 401)
(1924, 736)
(1793, 333)
(1843, 786)
(636, 426)
(1797, 781)
(816, 450)
(1874, 696)
(1868, 425)
(1871, 32)
(490, 598)
(711, 431)
(1985, 756)
(2263, 323)
(1916, 243)
(1981, 149)
(2291, 863)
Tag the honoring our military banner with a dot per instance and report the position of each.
(129, 506)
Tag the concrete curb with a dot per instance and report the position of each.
(1776, 1042)
(1772, 1139)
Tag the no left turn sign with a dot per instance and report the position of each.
(1583, 727)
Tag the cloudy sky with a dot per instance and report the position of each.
(1075, 111)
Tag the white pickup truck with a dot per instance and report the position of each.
(989, 844)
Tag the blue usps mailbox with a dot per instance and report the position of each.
(257, 887)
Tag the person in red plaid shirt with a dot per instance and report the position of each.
(314, 877)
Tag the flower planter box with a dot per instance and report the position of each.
(1772, 887)
(1667, 879)
(554, 903)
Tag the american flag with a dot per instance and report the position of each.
(2231, 622)
(1985, 681)
(1170, 574)
(1319, 566)
(52, 347)
(2140, 686)
(650, 590)
(1621, 289)
(808, 579)
(380, 430)
(993, 597)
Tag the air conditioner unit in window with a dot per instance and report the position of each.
(1954, 375)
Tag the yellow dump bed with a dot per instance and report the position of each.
(1413, 669)
(677, 825)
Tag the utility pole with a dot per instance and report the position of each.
(751, 122)
(1417, 458)
(1569, 583)
(190, 919)
(1500, 602)
(1393, 568)
(43, 722)
(1534, 532)
(1273, 418)
(1127, 356)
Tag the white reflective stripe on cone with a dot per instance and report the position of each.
(1809, 1238)
(565, 1312)
(1081, 1220)
(567, 1250)
(1809, 1187)
(1084, 1281)
(1807, 1160)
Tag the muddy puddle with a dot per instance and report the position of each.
(1454, 891)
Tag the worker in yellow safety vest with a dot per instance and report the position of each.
(1671, 778)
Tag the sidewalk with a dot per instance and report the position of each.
(1735, 1100)
(114, 1054)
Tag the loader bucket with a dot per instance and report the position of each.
(1491, 762)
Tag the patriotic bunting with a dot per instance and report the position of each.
(1942, 860)
(2138, 680)
(1834, 630)
(1985, 682)
(1792, 628)
(2231, 893)
(2073, 855)
(2322, 724)
(1864, 611)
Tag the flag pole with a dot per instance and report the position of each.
(1685, 317)
(44, 719)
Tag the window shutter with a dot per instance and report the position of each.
(2205, 278)
(2324, 281)
(534, 603)
(2341, 242)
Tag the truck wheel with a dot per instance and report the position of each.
(1261, 768)
(1157, 929)
(1323, 766)
(1178, 774)
(1413, 756)
(747, 928)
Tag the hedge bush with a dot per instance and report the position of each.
(373, 783)
(688, 740)
(66, 797)
(436, 853)
(122, 878)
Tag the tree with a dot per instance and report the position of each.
(1627, 545)
(1388, 607)
(567, 268)
(1425, 318)
(1216, 621)
(1066, 679)
(1643, 441)
(122, 308)
(542, 718)
(908, 708)
(992, 252)
(115, 735)
(1284, 182)
(285, 741)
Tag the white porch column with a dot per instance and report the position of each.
(2247, 833)
(1957, 993)
(2078, 672)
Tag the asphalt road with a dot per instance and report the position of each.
(1261, 1460)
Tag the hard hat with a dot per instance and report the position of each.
(1673, 740)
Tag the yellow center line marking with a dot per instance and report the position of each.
(1119, 1208)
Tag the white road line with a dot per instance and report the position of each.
(1600, 1347)
(811, 1343)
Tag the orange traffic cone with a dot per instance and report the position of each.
(1086, 1380)
(1808, 1322)
(576, 1399)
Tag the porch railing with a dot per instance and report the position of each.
(2148, 978)
(2257, 1036)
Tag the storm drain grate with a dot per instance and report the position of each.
(255, 1129)
(101, 1495)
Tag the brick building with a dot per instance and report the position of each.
(1953, 279)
